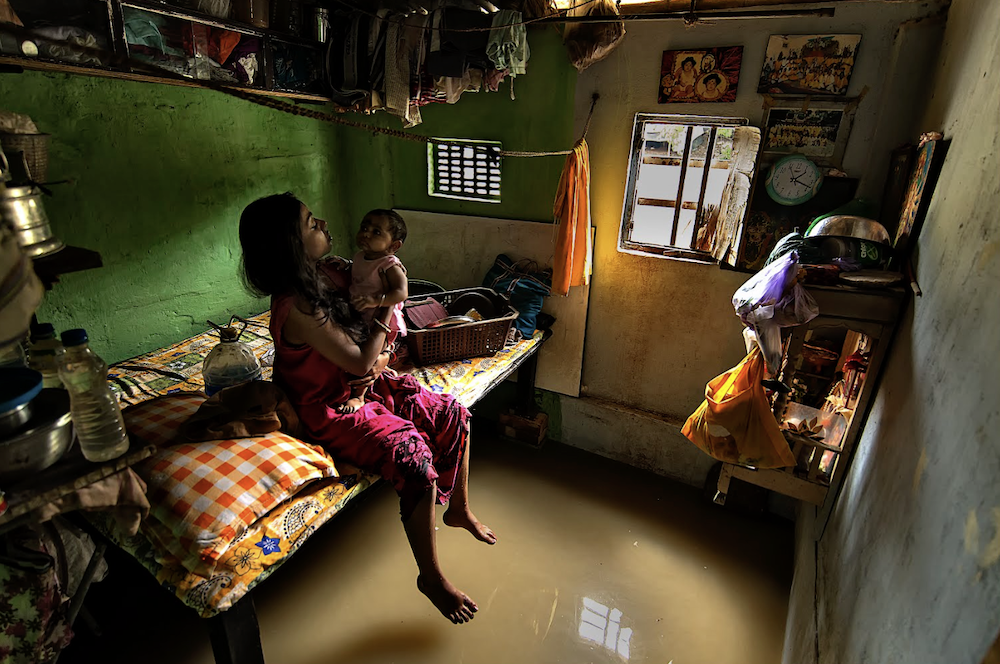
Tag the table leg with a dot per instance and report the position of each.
(235, 635)
(525, 405)
(722, 487)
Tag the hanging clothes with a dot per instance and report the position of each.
(508, 44)
(573, 261)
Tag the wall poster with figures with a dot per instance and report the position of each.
(808, 64)
(817, 129)
(700, 75)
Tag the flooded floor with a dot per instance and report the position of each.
(597, 562)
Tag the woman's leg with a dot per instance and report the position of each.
(458, 514)
(419, 526)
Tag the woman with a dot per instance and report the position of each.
(413, 438)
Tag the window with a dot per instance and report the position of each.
(688, 186)
(467, 170)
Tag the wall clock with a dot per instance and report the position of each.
(793, 180)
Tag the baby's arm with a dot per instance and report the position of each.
(398, 289)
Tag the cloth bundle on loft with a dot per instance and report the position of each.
(398, 63)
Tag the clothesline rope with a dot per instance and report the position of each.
(402, 19)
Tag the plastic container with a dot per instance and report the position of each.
(94, 408)
(230, 363)
(458, 342)
(44, 354)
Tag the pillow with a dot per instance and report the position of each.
(204, 495)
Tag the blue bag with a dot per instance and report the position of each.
(524, 284)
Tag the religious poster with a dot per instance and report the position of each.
(700, 75)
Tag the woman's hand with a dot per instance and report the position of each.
(381, 366)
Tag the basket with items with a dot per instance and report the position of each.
(457, 324)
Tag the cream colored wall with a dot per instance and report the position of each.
(659, 329)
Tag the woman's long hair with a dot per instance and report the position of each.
(275, 262)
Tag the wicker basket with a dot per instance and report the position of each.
(35, 148)
(459, 342)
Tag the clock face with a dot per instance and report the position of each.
(794, 180)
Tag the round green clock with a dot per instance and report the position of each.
(793, 180)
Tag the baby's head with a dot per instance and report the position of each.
(382, 232)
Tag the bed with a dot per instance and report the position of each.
(162, 388)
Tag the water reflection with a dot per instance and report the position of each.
(602, 625)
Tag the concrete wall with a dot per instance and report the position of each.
(907, 568)
(159, 177)
(660, 329)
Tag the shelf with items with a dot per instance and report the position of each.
(147, 41)
(831, 365)
(71, 32)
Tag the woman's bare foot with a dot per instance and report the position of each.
(464, 518)
(449, 600)
(350, 406)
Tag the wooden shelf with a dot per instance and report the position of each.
(123, 68)
(68, 259)
(64, 68)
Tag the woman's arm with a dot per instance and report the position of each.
(336, 345)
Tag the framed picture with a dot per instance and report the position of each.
(700, 75)
(808, 64)
(926, 168)
(817, 129)
(896, 184)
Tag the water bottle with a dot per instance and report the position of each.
(231, 362)
(94, 408)
(45, 353)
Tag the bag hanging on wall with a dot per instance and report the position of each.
(734, 423)
(525, 284)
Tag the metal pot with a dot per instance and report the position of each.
(846, 225)
(48, 435)
(22, 208)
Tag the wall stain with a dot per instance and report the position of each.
(971, 533)
(918, 474)
(991, 554)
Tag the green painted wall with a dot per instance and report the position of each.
(159, 177)
(389, 172)
(160, 174)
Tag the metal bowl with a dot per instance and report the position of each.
(18, 387)
(45, 439)
(846, 225)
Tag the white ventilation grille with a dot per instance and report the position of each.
(462, 169)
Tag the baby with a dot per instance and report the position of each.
(381, 235)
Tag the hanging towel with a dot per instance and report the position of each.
(574, 254)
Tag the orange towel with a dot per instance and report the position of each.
(573, 256)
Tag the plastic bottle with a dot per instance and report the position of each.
(96, 415)
(45, 353)
(230, 363)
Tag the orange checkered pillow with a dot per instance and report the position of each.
(204, 495)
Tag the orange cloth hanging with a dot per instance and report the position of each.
(573, 256)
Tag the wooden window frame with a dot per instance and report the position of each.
(625, 243)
